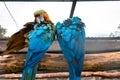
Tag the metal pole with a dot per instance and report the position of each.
(73, 8)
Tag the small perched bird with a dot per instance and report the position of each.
(71, 37)
(38, 37)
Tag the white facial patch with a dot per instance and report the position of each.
(42, 17)
(38, 20)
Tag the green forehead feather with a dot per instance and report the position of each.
(38, 12)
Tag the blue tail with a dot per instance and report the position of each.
(75, 69)
(72, 72)
(31, 65)
(30, 73)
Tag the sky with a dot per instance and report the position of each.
(100, 17)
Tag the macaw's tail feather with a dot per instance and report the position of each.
(73, 74)
(30, 73)
(17, 40)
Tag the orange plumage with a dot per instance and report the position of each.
(46, 17)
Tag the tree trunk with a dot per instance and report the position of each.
(57, 62)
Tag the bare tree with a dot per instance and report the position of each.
(2, 31)
(119, 27)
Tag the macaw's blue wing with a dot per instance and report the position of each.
(71, 37)
(40, 40)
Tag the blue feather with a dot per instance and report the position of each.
(40, 40)
(71, 38)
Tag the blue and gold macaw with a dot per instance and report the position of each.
(71, 37)
(39, 40)
(37, 36)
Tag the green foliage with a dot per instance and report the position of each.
(2, 31)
